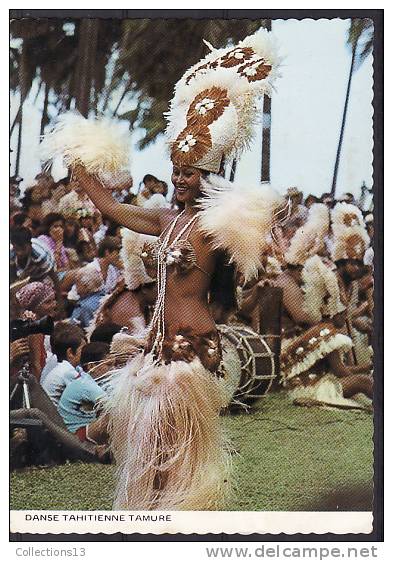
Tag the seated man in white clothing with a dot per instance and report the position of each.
(107, 265)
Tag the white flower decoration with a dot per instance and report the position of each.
(202, 107)
(299, 350)
(313, 340)
(187, 143)
(250, 71)
(324, 332)
(237, 53)
(170, 260)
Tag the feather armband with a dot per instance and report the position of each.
(239, 220)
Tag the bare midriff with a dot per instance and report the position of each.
(186, 306)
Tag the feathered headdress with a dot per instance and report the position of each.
(309, 238)
(71, 206)
(346, 215)
(100, 145)
(321, 290)
(350, 243)
(214, 109)
(350, 238)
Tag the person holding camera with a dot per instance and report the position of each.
(37, 300)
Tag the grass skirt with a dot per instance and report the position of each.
(301, 353)
(166, 437)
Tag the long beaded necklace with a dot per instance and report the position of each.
(158, 320)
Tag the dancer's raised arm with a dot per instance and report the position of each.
(141, 220)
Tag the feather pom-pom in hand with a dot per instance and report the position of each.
(99, 145)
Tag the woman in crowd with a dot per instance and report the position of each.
(71, 233)
(52, 237)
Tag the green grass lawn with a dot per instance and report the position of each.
(289, 458)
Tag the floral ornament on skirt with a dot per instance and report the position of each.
(355, 247)
(351, 219)
(186, 346)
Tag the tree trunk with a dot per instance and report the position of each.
(266, 135)
(126, 90)
(125, 34)
(38, 92)
(15, 121)
(88, 35)
(23, 94)
(44, 116)
(340, 141)
(233, 170)
(266, 127)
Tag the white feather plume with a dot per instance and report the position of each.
(349, 232)
(321, 290)
(134, 270)
(100, 145)
(309, 238)
(239, 220)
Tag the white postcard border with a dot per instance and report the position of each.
(190, 522)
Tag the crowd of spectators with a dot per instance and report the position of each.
(64, 263)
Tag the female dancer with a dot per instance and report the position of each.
(169, 449)
(164, 410)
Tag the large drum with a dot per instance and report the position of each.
(249, 365)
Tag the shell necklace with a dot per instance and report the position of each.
(158, 320)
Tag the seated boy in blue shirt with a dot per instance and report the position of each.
(81, 397)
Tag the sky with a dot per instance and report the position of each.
(307, 110)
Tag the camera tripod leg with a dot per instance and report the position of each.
(26, 396)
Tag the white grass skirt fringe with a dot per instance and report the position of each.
(166, 437)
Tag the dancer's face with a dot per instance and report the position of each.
(187, 182)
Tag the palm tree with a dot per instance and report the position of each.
(68, 56)
(359, 29)
(266, 127)
(88, 35)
